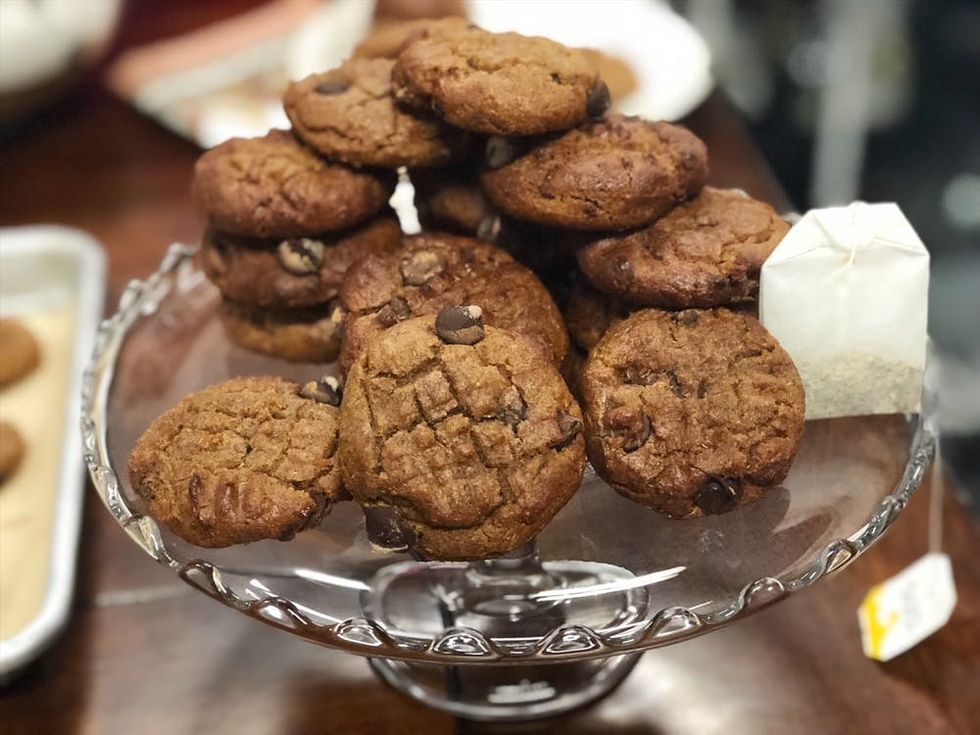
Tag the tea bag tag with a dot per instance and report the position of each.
(903, 611)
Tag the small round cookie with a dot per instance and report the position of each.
(296, 335)
(274, 186)
(244, 460)
(434, 270)
(466, 431)
(293, 272)
(499, 83)
(706, 252)
(692, 413)
(385, 10)
(11, 450)
(348, 114)
(589, 313)
(387, 40)
(19, 352)
(612, 174)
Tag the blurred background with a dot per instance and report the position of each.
(876, 100)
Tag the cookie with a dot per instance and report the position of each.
(434, 270)
(244, 460)
(348, 114)
(293, 272)
(296, 335)
(19, 352)
(387, 40)
(386, 10)
(589, 314)
(612, 174)
(466, 431)
(615, 72)
(499, 83)
(692, 413)
(11, 450)
(706, 252)
(274, 186)
(450, 199)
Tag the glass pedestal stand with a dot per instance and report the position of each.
(547, 629)
(517, 599)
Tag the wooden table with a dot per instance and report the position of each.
(146, 654)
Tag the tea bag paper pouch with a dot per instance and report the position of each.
(846, 294)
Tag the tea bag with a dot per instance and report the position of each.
(846, 294)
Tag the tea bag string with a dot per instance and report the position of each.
(853, 238)
(936, 494)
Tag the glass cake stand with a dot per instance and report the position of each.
(550, 627)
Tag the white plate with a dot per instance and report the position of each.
(45, 268)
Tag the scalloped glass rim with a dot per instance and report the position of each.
(365, 637)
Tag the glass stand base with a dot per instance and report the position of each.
(506, 693)
(512, 600)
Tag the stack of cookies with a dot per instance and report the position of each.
(458, 418)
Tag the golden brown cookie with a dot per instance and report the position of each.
(292, 272)
(274, 186)
(385, 10)
(499, 83)
(434, 270)
(349, 114)
(706, 252)
(387, 40)
(19, 351)
(612, 174)
(12, 450)
(450, 199)
(297, 335)
(692, 412)
(244, 460)
(466, 431)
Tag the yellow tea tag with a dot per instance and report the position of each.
(906, 609)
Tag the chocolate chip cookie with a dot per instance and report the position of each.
(19, 352)
(349, 114)
(692, 412)
(590, 313)
(499, 83)
(387, 40)
(292, 272)
(466, 431)
(434, 270)
(244, 460)
(706, 252)
(296, 335)
(274, 186)
(612, 174)
(12, 450)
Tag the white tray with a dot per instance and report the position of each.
(44, 267)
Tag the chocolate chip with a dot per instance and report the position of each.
(301, 255)
(393, 312)
(718, 495)
(500, 152)
(325, 390)
(513, 409)
(570, 427)
(383, 527)
(489, 228)
(460, 325)
(599, 99)
(687, 317)
(639, 438)
(333, 86)
(702, 389)
(634, 375)
(420, 267)
(556, 77)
